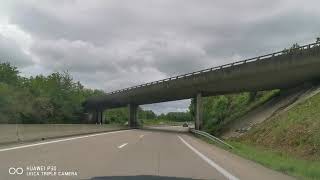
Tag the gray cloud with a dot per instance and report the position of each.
(173, 106)
(119, 43)
(10, 51)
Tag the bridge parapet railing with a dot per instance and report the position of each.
(236, 63)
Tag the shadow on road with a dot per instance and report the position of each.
(141, 177)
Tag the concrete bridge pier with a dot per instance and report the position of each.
(199, 111)
(100, 117)
(133, 115)
(97, 116)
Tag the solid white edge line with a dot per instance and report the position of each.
(123, 145)
(60, 140)
(209, 161)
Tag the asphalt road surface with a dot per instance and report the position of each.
(129, 154)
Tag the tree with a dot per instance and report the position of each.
(294, 48)
(9, 74)
(55, 98)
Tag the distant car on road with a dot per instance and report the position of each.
(185, 125)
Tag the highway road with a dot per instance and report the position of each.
(128, 154)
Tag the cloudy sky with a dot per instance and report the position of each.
(113, 44)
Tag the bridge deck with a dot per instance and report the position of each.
(281, 69)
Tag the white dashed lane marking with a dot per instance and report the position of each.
(123, 145)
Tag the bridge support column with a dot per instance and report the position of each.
(133, 115)
(97, 116)
(199, 111)
(100, 117)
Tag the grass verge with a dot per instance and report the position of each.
(301, 169)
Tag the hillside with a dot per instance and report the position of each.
(219, 112)
(288, 138)
(296, 130)
(279, 129)
(270, 107)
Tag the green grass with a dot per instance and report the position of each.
(296, 131)
(289, 142)
(276, 160)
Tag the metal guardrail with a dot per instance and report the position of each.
(213, 138)
(236, 63)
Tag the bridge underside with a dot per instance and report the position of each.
(279, 72)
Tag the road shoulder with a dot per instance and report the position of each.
(236, 165)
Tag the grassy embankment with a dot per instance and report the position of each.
(289, 142)
(278, 160)
(244, 109)
(219, 111)
(292, 138)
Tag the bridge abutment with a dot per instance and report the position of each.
(133, 115)
(199, 111)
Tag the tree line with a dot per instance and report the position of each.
(55, 98)
(120, 115)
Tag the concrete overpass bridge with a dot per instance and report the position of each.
(279, 70)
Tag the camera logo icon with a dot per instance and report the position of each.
(13, 171)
